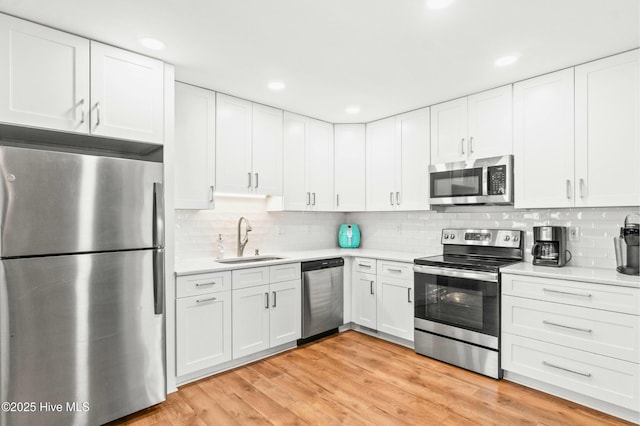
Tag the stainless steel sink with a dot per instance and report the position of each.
(253, 259)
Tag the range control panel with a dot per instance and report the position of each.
(510, 238)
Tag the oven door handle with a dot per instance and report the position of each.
(457, 273)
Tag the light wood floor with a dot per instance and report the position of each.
(356, 379)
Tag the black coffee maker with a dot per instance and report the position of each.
(550, 246)
(630, 236)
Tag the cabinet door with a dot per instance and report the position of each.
(250, 320)
(412, 160)
(449, 131)
(285, 322)
(203, 331)
(44, 77)
(607, 132)
(127, 95)
(233, 145)
(195, 147)
(395, 307)
(319, 164)
(490, 123)
(294, 194)
(381, 165)
(267, 150)
(543, 141)
(364, 300)
(349, 167)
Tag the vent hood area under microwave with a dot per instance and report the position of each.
(487, 181)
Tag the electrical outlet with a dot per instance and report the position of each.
(574, 233)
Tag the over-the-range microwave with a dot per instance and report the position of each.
(481, 181)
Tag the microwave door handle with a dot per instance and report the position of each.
(485, 181)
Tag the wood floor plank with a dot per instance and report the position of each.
(356, 379)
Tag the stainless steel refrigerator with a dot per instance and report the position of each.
(81, 287)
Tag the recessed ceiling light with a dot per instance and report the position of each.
(506, 60)
(438, 4)
(353, 109)
(276, 85)
(151, 43)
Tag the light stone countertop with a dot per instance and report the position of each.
(204, 265)
(575, 273)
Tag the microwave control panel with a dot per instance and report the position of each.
(497, 180)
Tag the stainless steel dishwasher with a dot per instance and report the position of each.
(322, 298)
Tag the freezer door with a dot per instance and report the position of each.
(59, 203)
(79, 331)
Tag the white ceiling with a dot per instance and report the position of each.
(387, 56)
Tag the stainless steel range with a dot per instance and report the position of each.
(457, 297)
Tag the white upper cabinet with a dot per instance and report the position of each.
(267, 150)
(248, 147)
(307, 164)
(607, 132)
(381, 165)
(233, 145)
(477, 126)
(412, 171)
(349, 167)
(544, 141)
(194, 147)
(57, 81)
(397, 152)
(44, 77)
(127, 95)
(598, 164)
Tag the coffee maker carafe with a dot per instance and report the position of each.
(628, 242)
(550, 246)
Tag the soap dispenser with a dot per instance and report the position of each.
(220, 247)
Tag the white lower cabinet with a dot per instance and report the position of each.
(364, 299)
(266, 312)
(383, 296)
(580, 336)
(395, 307)
(203, 321)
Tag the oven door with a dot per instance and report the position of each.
(459, 304)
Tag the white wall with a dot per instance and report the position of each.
(420, 231)
(417, 232)
(197, 230)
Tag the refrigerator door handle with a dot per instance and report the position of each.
(158, 214)
(158, 281)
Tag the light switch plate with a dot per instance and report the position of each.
(574, 233)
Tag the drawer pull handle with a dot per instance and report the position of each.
(550, 290)
(364, 265)
(205, 300)
(205, 284)
(566, 369)
(585, 330)
(394, 270)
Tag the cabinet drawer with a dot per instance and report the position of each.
(602, 332)
(361, 264)
(288, 272)
(590, 295)
(192, 285)
(243, 278)
(395, 269)
(597, 376)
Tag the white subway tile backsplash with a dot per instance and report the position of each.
(418, 231)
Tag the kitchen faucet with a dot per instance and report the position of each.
(245, 239)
